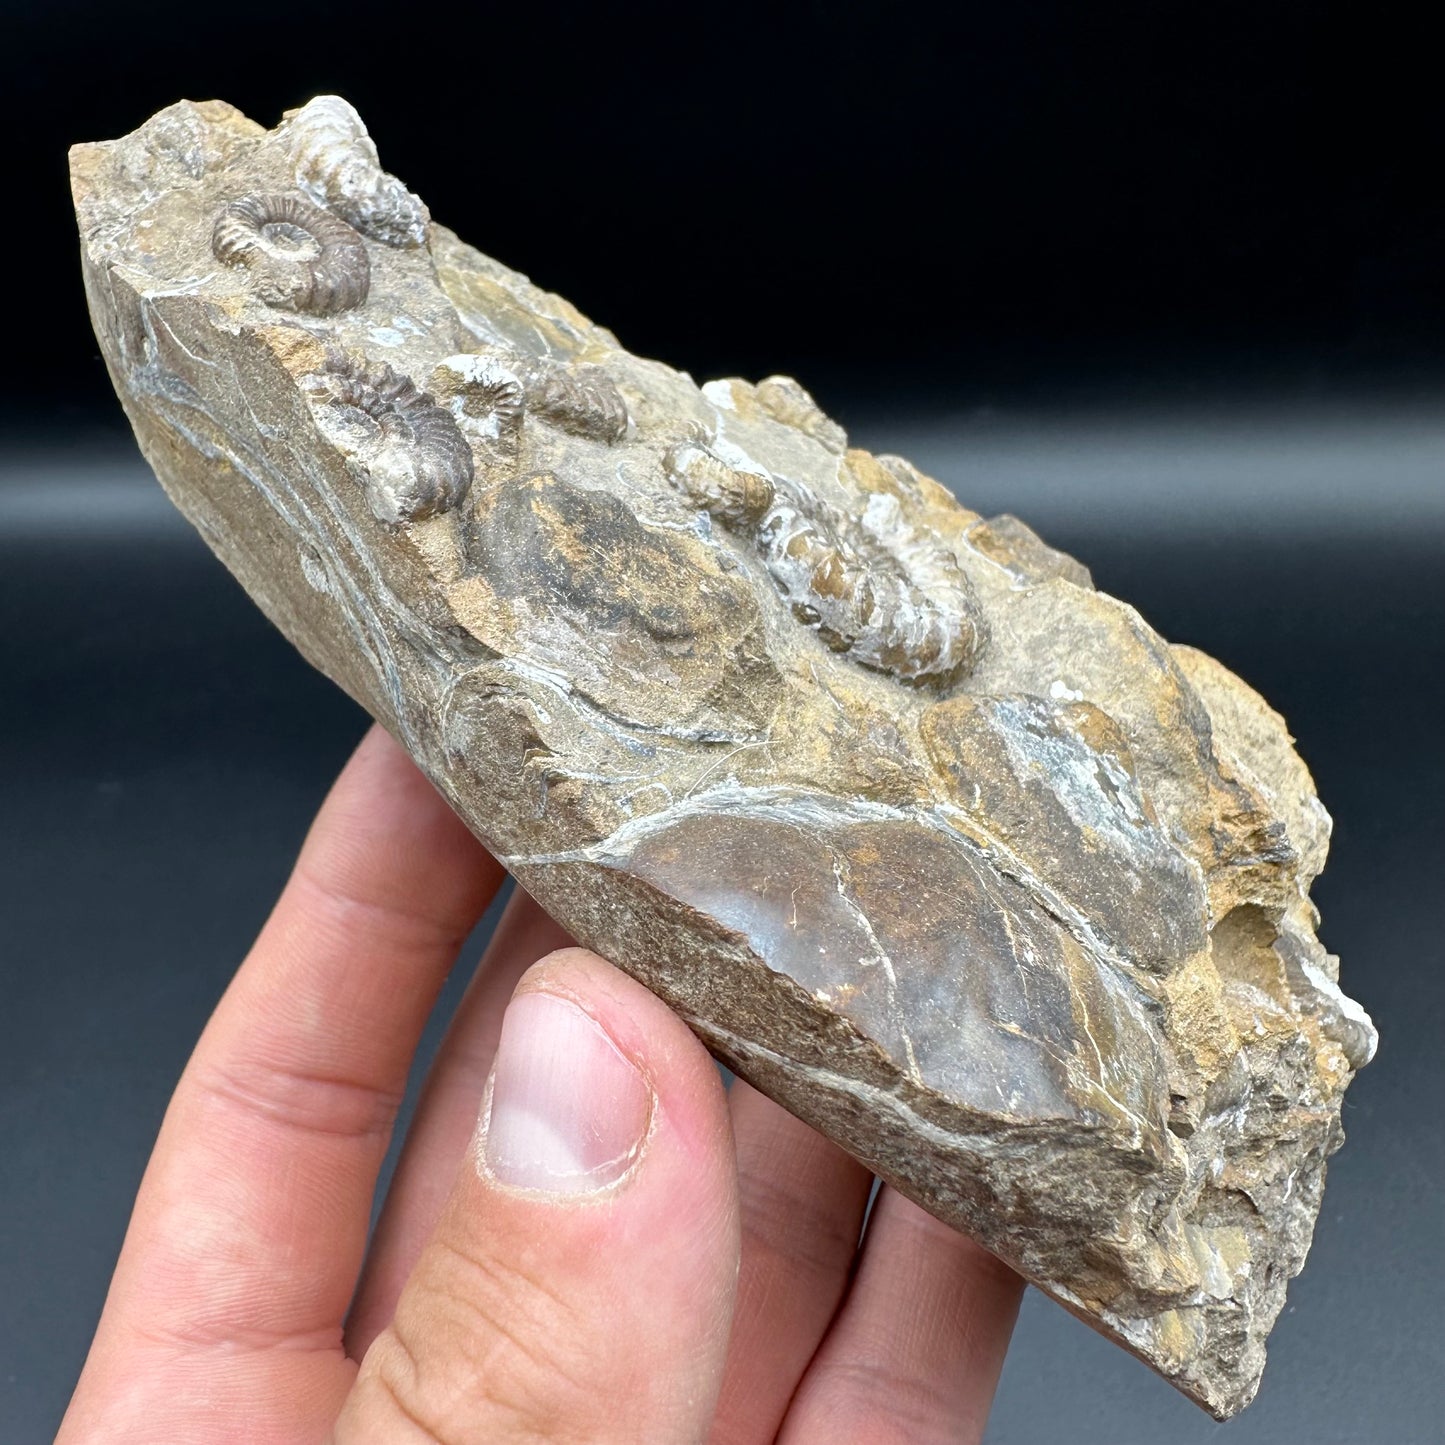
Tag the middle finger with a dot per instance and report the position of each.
(802, 1201)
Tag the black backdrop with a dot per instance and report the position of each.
(1167, 281)
(1016, 195)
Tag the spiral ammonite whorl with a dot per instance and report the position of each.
(297, 256)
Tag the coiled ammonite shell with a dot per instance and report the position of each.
(487, 398)
(582, 400)
(296, 255)
(418, 464)
(735, 497)
(334, 161)
(890, 597)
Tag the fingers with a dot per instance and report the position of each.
(251, 1221)
(446, 1116)
(803, 1201)
(915, 1353)
(579, 1283)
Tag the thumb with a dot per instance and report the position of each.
(579, 1284)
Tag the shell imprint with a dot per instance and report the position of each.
(582, 400)
(413, 457)
(297, 256)
(334, 161)
(888, 594)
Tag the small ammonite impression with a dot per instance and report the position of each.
(487, 398)
(410, 453)
(296, 255)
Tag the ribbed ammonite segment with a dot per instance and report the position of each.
(888, 594)
(735, 497)
(877, 589)
(334, 161)
(411, 456)
(582, 400)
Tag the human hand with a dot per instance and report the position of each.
(619, 1251)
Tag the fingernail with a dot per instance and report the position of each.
(569, 1111)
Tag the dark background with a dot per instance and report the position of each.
(1168, 282)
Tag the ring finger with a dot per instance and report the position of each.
(802, 1201)
(915, 1352)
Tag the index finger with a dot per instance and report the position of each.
(249, 1229)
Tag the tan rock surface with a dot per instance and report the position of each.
(942, 848)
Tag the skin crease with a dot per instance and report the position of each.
(715, 1292)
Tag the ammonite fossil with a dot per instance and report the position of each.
(892, 598)
(736, 497)
(785, 400)
(889, 598)
(414, 458)
(487, 398)
(334, 161)
(296, 255)
(582, 400)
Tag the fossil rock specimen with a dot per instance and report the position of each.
(947, 851)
